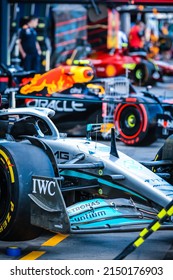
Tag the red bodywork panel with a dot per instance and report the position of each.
(107, 65)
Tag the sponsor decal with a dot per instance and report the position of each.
(165, 123)
(157, 182)
(75, 90)
(62, 155)
(5, 160)
(88, 216)
(132, 164)
(7, 219)
(162, 185)
(83, 206)
(154, 180)
(43, 186)
(100, 69)
(57, 105)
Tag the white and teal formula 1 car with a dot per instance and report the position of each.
(68, 185)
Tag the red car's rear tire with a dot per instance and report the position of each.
(145, 73)
(136, 123)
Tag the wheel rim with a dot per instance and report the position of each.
(139, 74)
(131, 121)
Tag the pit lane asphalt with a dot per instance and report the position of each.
(49, 246)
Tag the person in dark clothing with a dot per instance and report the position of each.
(29, 47)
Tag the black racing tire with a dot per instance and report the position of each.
(157, 157)
(136, 123)
(142, 75)
(18, 163)
(165, 153)
(165, 43)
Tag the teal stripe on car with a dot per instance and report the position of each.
(81, 175)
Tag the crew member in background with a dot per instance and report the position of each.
(122, 40)
(164, 29)
(165, 41)
(137, 37)
(153, 45)
(29, 47)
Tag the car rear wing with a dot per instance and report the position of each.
(164, 125)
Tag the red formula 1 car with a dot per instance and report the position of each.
(166, 68)
(111, 63)
(142, 71)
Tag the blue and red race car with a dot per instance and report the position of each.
(105, 100)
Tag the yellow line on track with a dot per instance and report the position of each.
(53, 241)
(33, 255)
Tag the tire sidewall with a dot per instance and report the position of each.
(21, 162)
(146, 68)
(130, 138)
